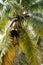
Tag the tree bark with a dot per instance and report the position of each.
(16, 58)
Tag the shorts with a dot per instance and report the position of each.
(14, 33)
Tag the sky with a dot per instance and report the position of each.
(1, 1)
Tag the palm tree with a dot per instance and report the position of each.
(32, 13)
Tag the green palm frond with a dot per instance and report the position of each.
(5, 45)
(3, 24)
(36, 6)
(38, 14)
(31, 49)
(38, 25)
(1, 6)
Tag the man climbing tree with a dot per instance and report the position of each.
(14, 30)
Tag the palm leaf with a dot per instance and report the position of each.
(30, 48)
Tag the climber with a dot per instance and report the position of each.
(15, 29)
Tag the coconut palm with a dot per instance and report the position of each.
(32, 11)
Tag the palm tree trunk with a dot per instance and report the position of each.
(16, 58)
